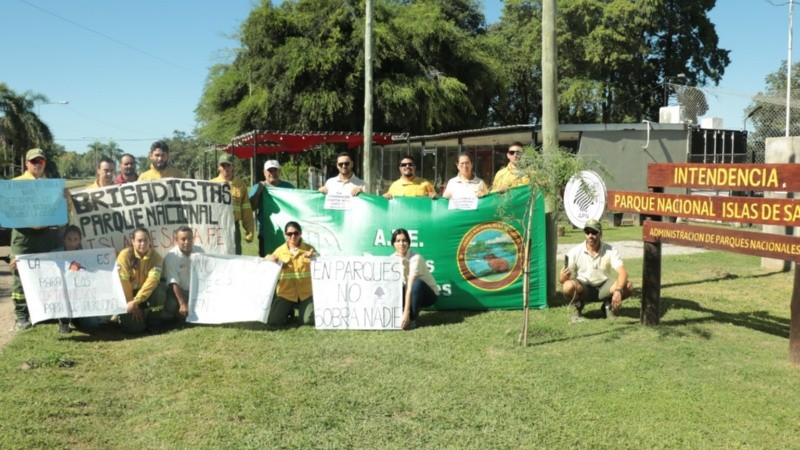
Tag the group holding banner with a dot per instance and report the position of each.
(474, 255)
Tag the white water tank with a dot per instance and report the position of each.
(711, 123)
(672, 114)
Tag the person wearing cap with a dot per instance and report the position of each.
(127, 173)
(272, 179)
(29, 240)
(510, 176)
(409, 184)
(346, 182)
(159, 164)
(105, 173)
(242, 211)
(587, 278)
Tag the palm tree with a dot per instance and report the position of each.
(20, 126)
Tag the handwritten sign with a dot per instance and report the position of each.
(32, 203)
(465, 203)
(338, 201)
(230, 288)
(357, 293)
(82, 283)
(108, 215)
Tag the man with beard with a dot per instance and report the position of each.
(105, 173)
(29, 240)
(586, 276)
(159, 164)
(510, 176)
(346, 182)
(409, 184)
(127, 173)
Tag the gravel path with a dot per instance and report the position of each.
(633, 249)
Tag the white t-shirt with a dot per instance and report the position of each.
(414, 264)
(177, 267)
(459, 187)
(336, 185)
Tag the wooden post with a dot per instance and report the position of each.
(651, 277)
(794, 327)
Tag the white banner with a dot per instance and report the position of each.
(230, 288)
(358, 292)
(108, 215)
(82, 283)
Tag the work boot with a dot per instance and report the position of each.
(22, 324)
(608, 311)
(63, 326)
(577, 314)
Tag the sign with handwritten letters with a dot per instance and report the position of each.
(463, 203)
(81, 283)
(108, 215)
(357, 293)
(341, 202)
(231, 288)
(32, 203)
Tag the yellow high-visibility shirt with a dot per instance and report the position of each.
(294, 281)
(240, 202)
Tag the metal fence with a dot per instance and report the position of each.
(763, 116)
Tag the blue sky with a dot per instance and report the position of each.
(133, 71)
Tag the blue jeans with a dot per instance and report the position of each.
(422, 296)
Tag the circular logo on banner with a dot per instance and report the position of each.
(584, 198)
(490, 256)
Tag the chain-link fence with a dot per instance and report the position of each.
(764, 115)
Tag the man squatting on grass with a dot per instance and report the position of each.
(177, 272)
(592, 262)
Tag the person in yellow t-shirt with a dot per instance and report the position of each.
(159, 164)
(409, 184)
(510, 176)
(294, 282)
(242, 211)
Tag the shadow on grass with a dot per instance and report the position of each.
(725, 277)
(761, 321)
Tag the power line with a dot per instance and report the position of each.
(117, 41)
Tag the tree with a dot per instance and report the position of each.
(613, 55)
(301, 68)
(20, 127)
(768, 107)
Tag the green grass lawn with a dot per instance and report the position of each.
(714, 374)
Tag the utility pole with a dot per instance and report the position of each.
(789, 71)
(367, 162)
(549, 127)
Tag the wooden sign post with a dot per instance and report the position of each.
(736, 177)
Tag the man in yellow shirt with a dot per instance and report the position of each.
(29, 240)
(242, 211)
(159, 164)
(105, 173)
(409, 184)
(510, 176)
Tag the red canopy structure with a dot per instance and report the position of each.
(265, 142)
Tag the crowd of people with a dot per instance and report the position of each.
(161, 285)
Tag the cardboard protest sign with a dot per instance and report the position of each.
(230, 288)
(32, 203)
(81, 283)
(357, 293)
(108, 215)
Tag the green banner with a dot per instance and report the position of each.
(475, 256)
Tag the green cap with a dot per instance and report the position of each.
(593, 225)
(34, 153)
(225, 159)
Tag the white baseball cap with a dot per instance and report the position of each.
(271, 164)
